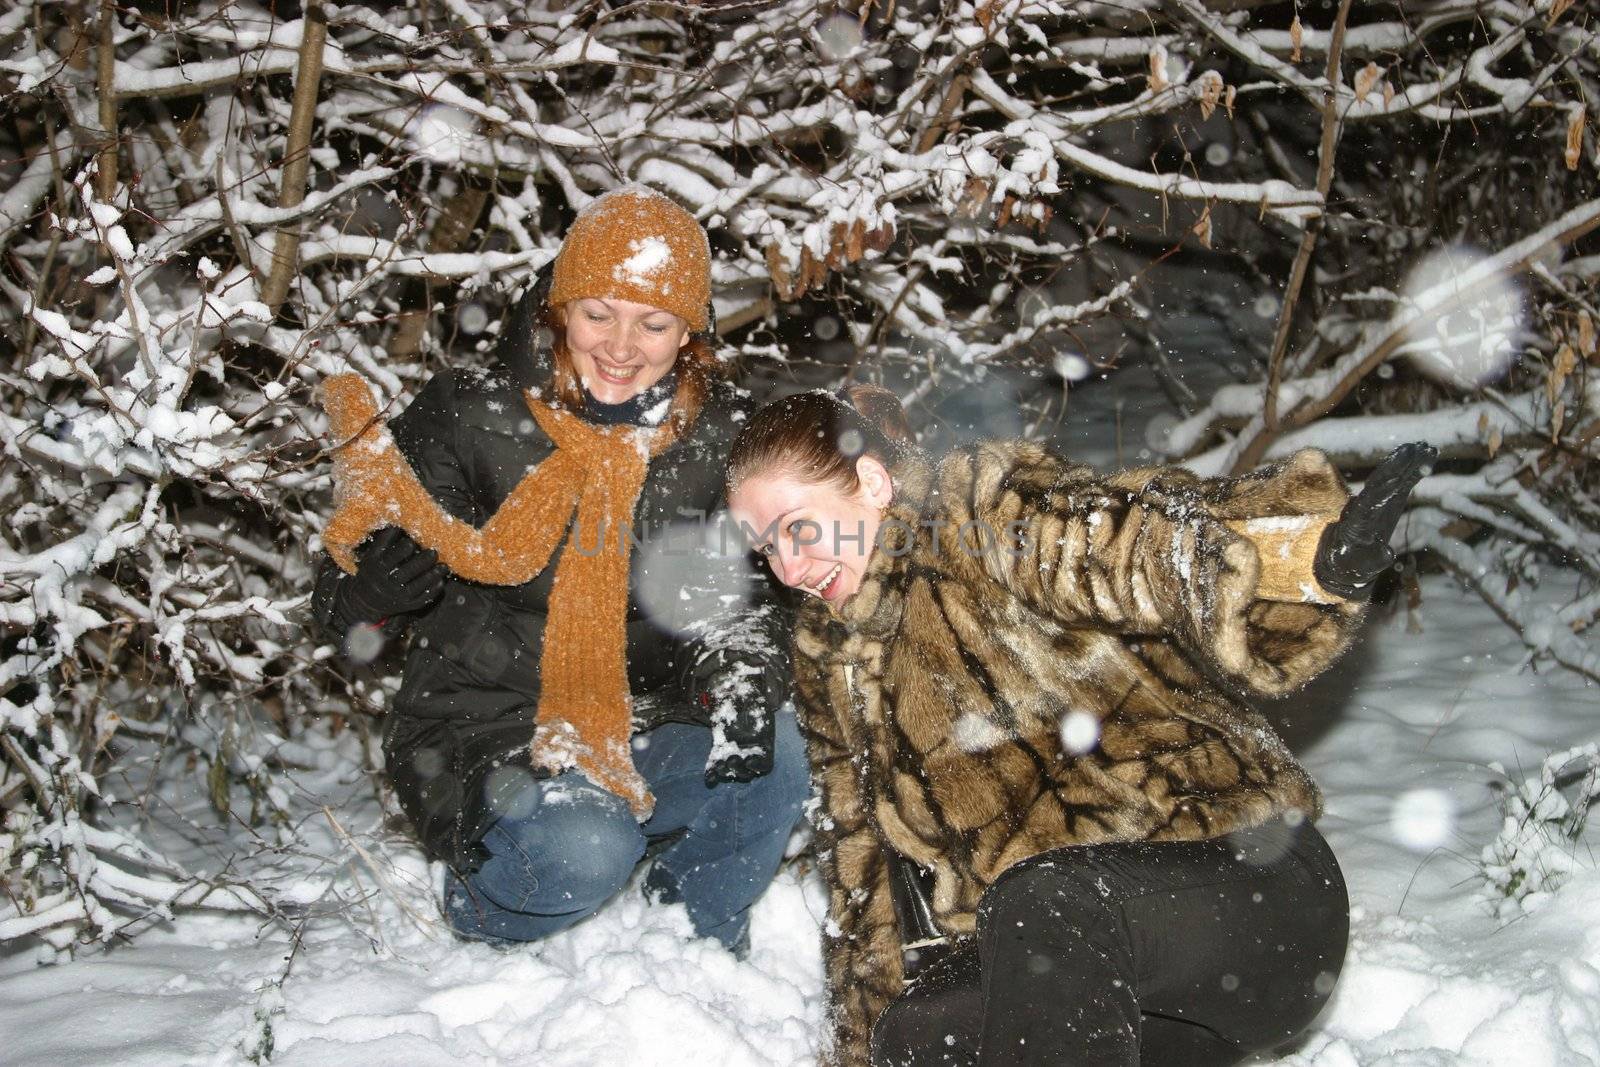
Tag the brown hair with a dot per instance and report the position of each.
(818, 436)
(696, 366)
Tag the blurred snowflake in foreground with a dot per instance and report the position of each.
(1422, 819)
(1467, 319)
(473, 317)
(363, 643)
(1080, 732)
(838, 37)
(441, 132)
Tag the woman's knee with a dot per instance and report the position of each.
(1046, 884)
(1317, 935)
(577, 845)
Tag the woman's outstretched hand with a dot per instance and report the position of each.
(1355, 550)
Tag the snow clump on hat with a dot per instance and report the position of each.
(636, 244)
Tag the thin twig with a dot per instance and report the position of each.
(1326, 152)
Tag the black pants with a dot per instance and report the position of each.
(1181, 954)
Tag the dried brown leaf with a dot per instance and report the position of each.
(1586, 343)
(1227, 101)
(1558, 417)
(1366, 78)
(1557, 9)
(1388, 94)
(1575, 137)
(1565, 360)
(985, 14)
(1495, 439)
(1210, 93)
(811, 271)
(1158, 69)
(975, 197)
(1295, 37)
(1202, 227)
(781, 281)
(836, 238)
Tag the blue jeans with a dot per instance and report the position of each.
(563, 846)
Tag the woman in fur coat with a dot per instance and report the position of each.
(581, 690)
(1053, 832)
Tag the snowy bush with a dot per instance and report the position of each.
(1537, 847)
(206, 208)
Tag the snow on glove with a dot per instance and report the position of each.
(394, 576)
(1355, 550)
(738, 695)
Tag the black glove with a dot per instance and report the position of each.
(1355, 550)
(466, 857)
(739, 696)
(394, 576)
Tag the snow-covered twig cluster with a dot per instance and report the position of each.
(202, 214)
(1538, 844)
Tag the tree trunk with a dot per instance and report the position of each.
(297, 154)
(105, 181)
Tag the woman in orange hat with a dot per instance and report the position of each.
(576, 691)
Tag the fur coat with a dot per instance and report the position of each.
(1040, 656)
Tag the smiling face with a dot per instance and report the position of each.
(619, 348)
(817, 537)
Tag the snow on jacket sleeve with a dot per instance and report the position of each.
(1164, 552)
(425, 435)
(861, 941)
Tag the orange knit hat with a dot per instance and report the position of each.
(636, 244)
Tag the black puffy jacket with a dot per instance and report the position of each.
(470, 688)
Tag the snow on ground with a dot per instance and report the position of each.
(1407, 724)
(1433, 976)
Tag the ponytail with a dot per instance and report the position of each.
(882, 409)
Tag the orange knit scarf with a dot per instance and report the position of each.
(591, 483)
